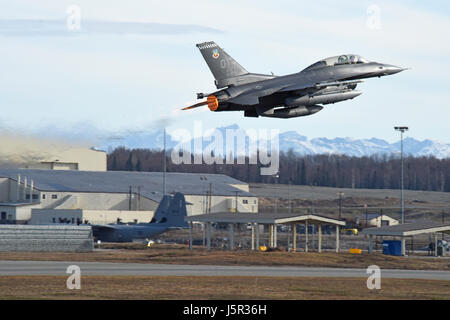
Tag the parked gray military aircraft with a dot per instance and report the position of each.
(169, 214)
(328, 81)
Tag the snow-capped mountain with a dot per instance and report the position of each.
(291, 140)
(361, 147)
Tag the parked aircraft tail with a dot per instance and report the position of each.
(171, 211)
(226, 70)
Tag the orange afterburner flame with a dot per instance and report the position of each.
(196, 105)
(211, 101)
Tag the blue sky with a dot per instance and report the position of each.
(134, 64)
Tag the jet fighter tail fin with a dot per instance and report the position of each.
(226, 70)
(222, 66)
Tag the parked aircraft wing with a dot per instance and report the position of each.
(104, 227)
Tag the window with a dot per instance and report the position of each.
(43, 196)
(35, 196)
(54, 196)
(342, 60)
(3, 216)
(27, 197)
(245, 201)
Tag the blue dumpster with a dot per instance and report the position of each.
(392, 247)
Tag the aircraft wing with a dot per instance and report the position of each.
(246, 99)
(252, 97)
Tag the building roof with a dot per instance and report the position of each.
(263, 218)
(120, 181)
(409, 229)
(376, 215)
(17, 204)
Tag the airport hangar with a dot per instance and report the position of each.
(30, 196)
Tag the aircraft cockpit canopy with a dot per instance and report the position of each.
(338, 60)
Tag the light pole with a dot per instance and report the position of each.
(289, 196)
(365, 207)
(340, 194)
(164, 164)
(276, 192)
(402, 130)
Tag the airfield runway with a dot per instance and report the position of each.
(14, 268)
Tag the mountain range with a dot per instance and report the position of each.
(291, 140)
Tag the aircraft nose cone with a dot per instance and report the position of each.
(390, 69)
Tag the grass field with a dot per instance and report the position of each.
(191, 288)
(431, 198)
(173, 287)
(430, 205)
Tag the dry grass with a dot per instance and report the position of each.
(189, 288)
(179, 254)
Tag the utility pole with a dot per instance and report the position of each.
(210, 195)
(340, 203)
(139, 198)
(365, 206)
(276, 193)
(129, 198)
(289, 196)
(402, 130)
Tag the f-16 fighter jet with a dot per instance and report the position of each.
(299, 94)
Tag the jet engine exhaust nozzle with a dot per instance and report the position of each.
(212, 102)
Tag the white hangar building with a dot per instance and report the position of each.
(65, 196)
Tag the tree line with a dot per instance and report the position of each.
(372, 172)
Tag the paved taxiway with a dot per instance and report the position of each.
(12, 268)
